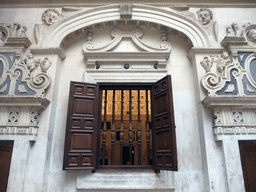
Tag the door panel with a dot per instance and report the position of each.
(165, 151)
(81, 130)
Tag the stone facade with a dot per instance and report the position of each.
(209, 52)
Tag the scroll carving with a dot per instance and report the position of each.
(24, 78)
(226, 77)
(119, 35)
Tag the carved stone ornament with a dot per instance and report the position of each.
(205, 17)
(20, 117)
(23, 78)
(49, 17)
(250, 34)
(240, 36)
(228, 78)
(15, 30)
(234, 122)
(119, 35)
(104, 63)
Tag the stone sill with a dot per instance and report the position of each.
(35, 102)
(125, 180)
(243, 102)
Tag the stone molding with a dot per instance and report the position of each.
(234, 122)
(192, 29)
(106, 65)
(135, 180)
(49, 51)
(233, 117)
(19, 117)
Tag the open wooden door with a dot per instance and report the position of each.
(165, 151)
(81, 130)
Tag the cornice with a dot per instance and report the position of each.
(244, 102)
(34, 102)
(88, 3)
(50, 50)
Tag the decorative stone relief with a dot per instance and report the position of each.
(237, 78)
(233, 30)
(244, 35)
(13, 117)
(113, 24)
(205, 17)
(19, 121)
(23, 78)
(113, 64)
(230, 121)
(250, 34)
(15, 30)
(34, 117)
(49, 17)
(119, 35)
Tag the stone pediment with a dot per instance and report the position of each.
(119, 36)
(123, 63)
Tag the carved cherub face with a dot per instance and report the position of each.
(204, 16)
(50, 16)
(252, 35)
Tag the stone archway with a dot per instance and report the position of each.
(85, 18)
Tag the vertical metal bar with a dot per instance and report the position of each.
(122, 128)
(147, 130)
(104, 134)
(113, 131)
(139, 131)
(130, 127)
